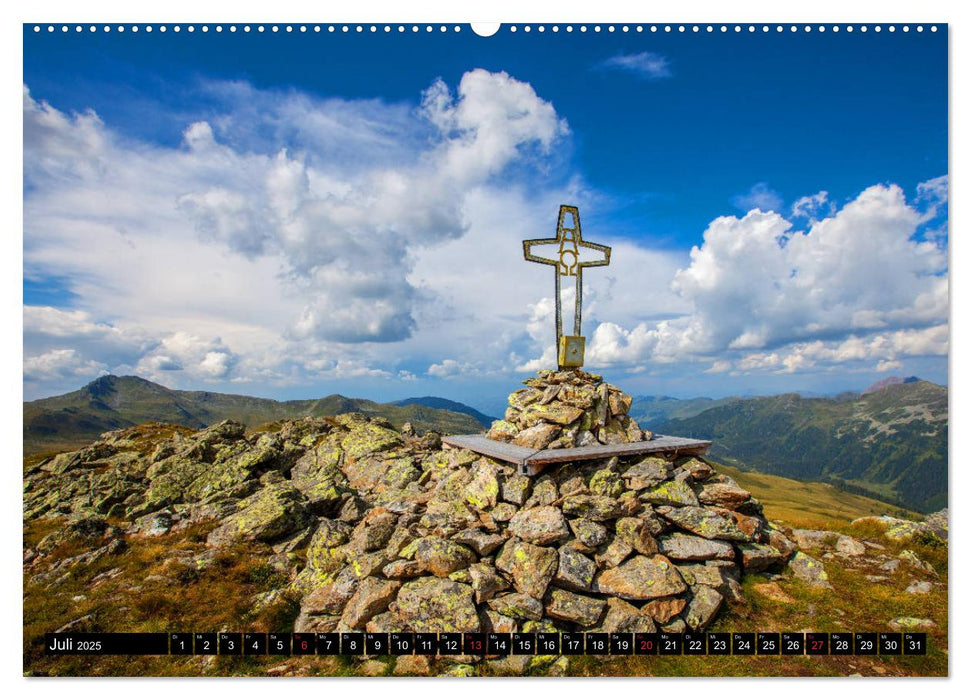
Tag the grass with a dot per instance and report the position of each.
(809, 504)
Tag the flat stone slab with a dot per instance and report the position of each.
(531, 462)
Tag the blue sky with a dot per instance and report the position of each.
(197, 206)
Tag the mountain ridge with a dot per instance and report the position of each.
(890, 443)
(111, 402)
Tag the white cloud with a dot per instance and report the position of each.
(857, 285)
(60, 364)
(813, 207)
(306, 238)
(647, 65)
(761, 196)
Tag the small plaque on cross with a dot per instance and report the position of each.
(567, 263)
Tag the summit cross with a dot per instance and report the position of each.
(570, 348)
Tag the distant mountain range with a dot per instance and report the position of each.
(889, 442)
(448, 405)
(108, 403)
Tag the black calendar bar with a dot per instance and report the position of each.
(763, 644)
(93, 643)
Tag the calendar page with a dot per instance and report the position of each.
(526, 349)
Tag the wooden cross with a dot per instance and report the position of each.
(567, 263)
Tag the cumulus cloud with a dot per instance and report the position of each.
(261, 230)
(646, 65)
(60, 364)
(859, 285)
(761, 196)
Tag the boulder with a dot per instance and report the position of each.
(433, 604)
(371, 597)
(704, 523)
(441, 557)
(531, 567)
(270, 514)
(572, 607)
(575, 571)
(809, 570)
(518, 606)
(641, 578)
(682, 547)
(544, 525)
(704, 605)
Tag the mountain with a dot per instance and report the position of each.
(649, 410)
(448, 405)
(110, 402)
(889, 381)
(890, 443)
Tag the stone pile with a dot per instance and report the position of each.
(381, 530)
(569, 408)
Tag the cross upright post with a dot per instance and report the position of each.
(569, 239)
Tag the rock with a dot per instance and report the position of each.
(544, 525)
(504, 512)
(495, 622)
(412, 665)
(483, 543)
(670, 493)
(778, 540)
(773, 591)
(918, 624)
(606, 482)
(483, 491)
(458, 671)
(665, 609)
(516, 489)
(403, 569)
(849, 547)
(80, 624)
(813, 539)
(486, 582)
(330, 598)
(809, 570)
(722, 491)
(697, 469)
(517, 605)
(591, 534)
(622, 617)
(433, 604)
(909, 557)
(612, 556)
(682, 547)
(269, 514)
(538, 437)
(373, 531)
(371, 597)
(575, 571)
(531, 567)
(890, 565)
(503, 431)
(440, 556)
(704, 605)
(544, 493)
(641, 578)
(637, 533)
(557, 413)
(920, 588)
(648, 473)
(598, 508)
(582, 610)
(759, 557)
(704, 523)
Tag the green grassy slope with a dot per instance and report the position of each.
(891, 443)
